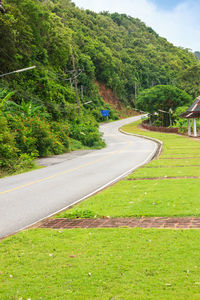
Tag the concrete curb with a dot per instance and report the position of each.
(159, 143)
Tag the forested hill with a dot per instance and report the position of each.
(114, 49)
(111, 49)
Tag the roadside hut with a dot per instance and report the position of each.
(193, 112)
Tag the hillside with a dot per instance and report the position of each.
(117, 51)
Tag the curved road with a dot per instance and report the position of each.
(30, 197)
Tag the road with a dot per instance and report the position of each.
(30, 197)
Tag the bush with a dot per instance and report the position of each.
(88, 135)
(35, 137)
(10, 158)
(75, 145)
(80, 214)
(61, 130)
(181, 123)
(8, 150)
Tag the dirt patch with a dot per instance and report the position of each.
(114, 102)
(108, 96)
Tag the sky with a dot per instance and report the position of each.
(176, 20)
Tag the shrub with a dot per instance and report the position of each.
(10, 158)
(8, 150)
(88, 135)
(181, 123)
(61, 130)
(74, 144)
(80, 214)
(35, 137)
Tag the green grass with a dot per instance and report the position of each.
(101, 264)
(163, 171)
(168, 197)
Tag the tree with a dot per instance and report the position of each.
(189, 80)
(8, 150)
(164, 98)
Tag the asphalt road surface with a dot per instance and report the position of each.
(30, 197)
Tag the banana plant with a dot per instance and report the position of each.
(24, 109)
(4, 100)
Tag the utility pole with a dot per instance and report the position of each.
(135, 90)
(76, 83)
(70, 80)
(82, 93)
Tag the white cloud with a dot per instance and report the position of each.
(181, 26)
(129, 7)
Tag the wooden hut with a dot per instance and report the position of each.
(193, 112)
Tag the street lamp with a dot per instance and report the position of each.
(18, 71)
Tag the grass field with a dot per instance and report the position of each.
(117, 263)
(101, 264)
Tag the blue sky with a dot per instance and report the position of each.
(176, 20)
(166, 4)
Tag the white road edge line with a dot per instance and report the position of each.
(151, 155)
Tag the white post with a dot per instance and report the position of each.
(195, 127)
(189, 127)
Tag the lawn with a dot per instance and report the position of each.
(101, 264)
(173, 190)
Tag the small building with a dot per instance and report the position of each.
(193, 112)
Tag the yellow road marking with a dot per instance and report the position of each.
(64, 172)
